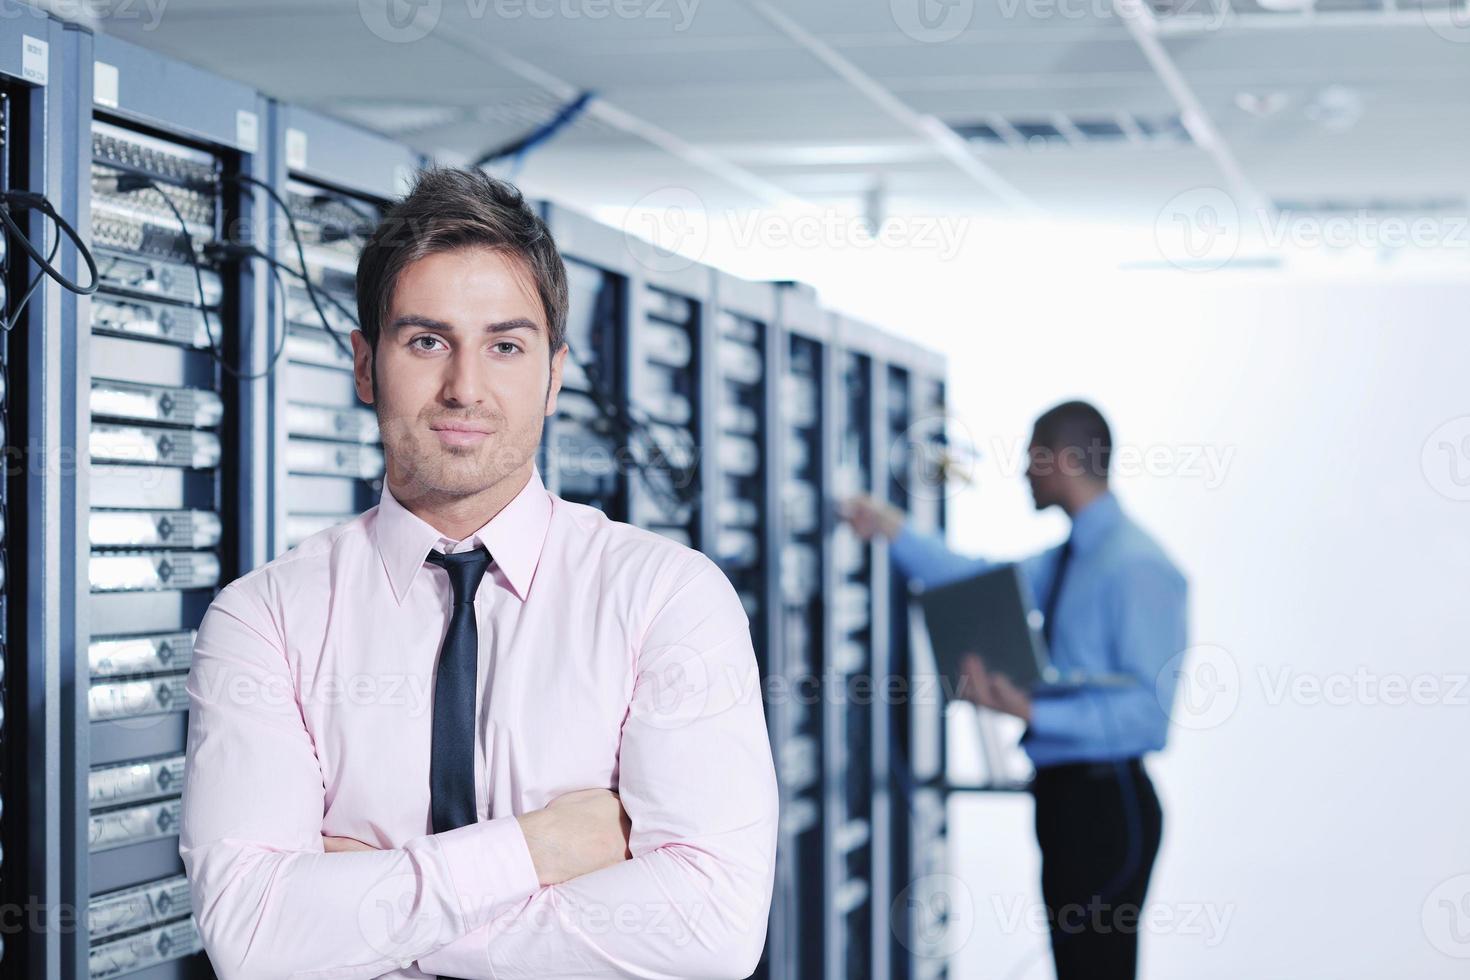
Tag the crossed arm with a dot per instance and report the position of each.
(695, 778)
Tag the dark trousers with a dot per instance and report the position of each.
(1094, 870)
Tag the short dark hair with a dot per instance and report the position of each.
(1076, 428)
(449, 209)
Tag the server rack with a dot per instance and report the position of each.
(741, 409)
(800, 454)
(189, 481)
(37, 811)
(335, 179)
(856, 815)
(169, 488)
(740, 404)
(582, 450)
(914, 418)
(669, 311)
(630, 419)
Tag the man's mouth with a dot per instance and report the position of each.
(459, 433)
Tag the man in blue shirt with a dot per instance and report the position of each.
(1115, 605)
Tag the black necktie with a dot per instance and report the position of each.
(452, 755)
(1049, 625)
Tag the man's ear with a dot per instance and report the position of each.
(554, 388)
(362, 367)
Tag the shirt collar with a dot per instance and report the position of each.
(1092, 522)
(513, 537)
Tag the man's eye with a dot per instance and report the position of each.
(506, 347)
(431, 339)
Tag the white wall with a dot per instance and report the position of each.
(1307, 431)
(1312, 824)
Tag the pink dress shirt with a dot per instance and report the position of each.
(609, 657)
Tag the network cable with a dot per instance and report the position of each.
(128, 182)
(29, 200)
(303, 273)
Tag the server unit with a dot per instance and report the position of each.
(333, 181)
(800, 455)
(170, 486)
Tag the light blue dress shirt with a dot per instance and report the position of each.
(1121, 611)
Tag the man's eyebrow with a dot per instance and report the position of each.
(429, 323)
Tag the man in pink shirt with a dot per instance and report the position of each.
(478, 731)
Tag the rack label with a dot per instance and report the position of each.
(104, 84)
(35, 59)
(295, 149)
(247, 130)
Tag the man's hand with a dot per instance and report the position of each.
(871, 517)
(995, 691)
(576, 834)
(340, 845)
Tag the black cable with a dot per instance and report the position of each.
(523, 144)
(300, 253)
(129, 182)
(629, 428)
(39, 202)
(239, 249)
(285, 332)
(8, 321)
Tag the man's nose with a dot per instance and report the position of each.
(464, 378)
